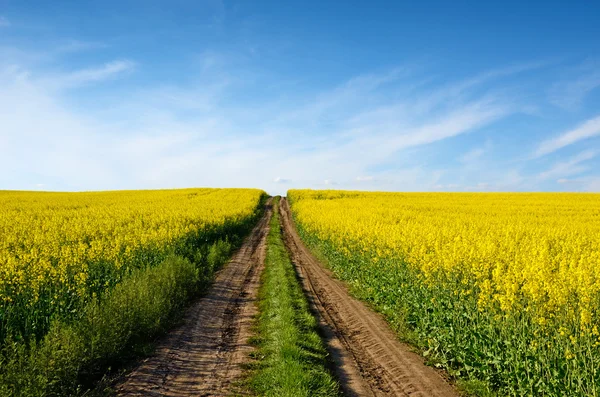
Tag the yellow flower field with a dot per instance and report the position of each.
(528, 260)
(60, 249)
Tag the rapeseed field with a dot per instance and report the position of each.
(503, 290)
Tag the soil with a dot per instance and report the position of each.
(205, 356)
(369, 359)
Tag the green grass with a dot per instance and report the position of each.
(79, 357)
(292, 359)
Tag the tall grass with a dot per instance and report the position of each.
(113, 328)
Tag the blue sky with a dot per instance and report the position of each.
(426, 96)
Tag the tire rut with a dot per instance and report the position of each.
(204, 356)
(369, 359)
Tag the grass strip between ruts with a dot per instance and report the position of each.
(291, 357)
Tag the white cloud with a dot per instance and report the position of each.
(447, 187)
(569, 94)
(457, 122)
(75, 46)
(153, 147)
(570, 167)
(592, 184)
(181, 136)
(465, 88)
(107, 71)
(474, 155)
(589, 129)
(581, 184)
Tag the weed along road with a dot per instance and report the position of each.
(369, 360)
(210, 353)
(205, 355)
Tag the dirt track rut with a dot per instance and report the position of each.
(369, 359)
(204, 356)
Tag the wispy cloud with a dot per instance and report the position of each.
(459, 90)
(589, 129)
(582, 184)
(592, 184)
(570, 167)
(570, 93)
(4, 22)
(473, 155)
(91, 75)
(362, 133)
(74, 46)
(473, 160)
(459, 121)
(149, 141)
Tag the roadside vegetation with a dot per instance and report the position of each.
(291, 357)
(501, 290)
(130, 294)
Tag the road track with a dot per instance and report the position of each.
(205, 355)
(369, 359)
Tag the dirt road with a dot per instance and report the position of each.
(369, 359)
(204, 356)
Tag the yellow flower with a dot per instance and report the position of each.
(532, 252)
(50, 241)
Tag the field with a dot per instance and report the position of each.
(73, 264)
(499, 289)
